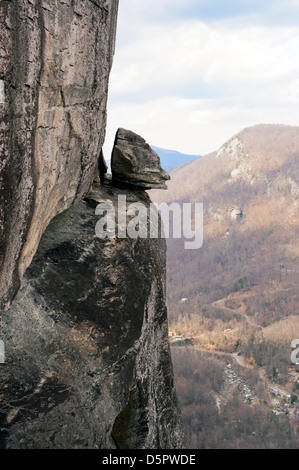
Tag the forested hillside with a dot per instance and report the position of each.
(238, 294)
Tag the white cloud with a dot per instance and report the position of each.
(191, 126)
(187, 85)
(182, 53)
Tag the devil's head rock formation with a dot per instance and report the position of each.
(135, 164)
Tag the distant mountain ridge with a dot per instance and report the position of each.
(171, 158)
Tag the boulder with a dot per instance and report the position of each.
(135, 164)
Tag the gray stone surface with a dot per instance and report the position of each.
(87, 355)
(55, 62)
(135, 164)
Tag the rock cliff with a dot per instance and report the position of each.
(54, 66)
(84, 321)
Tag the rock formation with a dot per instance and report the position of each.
(134, 163)
(84, 322)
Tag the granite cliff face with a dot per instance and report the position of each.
(54, 65)
(84, 322)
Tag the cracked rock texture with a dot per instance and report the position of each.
(87, 355)
(55, 59)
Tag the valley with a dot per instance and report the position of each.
(237, 297)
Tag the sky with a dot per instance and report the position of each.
(190, 74)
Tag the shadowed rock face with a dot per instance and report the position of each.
(54, 66)
(87, 355)
(87, 361)
(134, 163)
